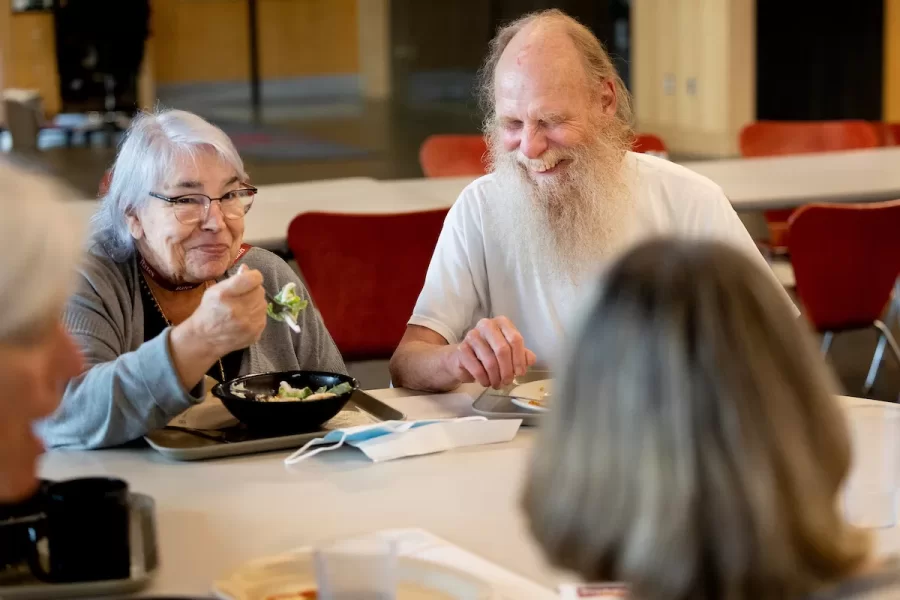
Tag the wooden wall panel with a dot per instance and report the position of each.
(693, 72)
(891, 107)
(32, 56)
(208, 40)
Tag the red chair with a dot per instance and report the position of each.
(364, 273)
(104, 183)
(846, 259)
(647, 143)
(890, 133)
(453, 155)
(774, 138)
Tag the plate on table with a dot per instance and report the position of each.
(498, 404)
(535, 395)
(291, 576)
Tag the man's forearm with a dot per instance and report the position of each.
(423, 366)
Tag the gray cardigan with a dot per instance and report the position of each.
(130, 385)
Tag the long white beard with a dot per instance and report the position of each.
(569, 225)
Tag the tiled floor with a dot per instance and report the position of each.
(392, 135)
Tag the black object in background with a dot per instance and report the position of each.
(819, 61)
(99, 50)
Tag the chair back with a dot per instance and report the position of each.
(365, 273)
(846, 258)
(772, 138)
(647, 143)
(453, 155)
(890, 134)
(105, 182)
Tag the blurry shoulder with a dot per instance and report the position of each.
(663, 175)
(474, 200)
(99, 269)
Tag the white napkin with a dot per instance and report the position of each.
(396, 439)
(600, 591)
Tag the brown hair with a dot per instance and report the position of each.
(695, 449)
(596, 60)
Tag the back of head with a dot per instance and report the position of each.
(41, 248)
(595, 60)
(695, 449)
(152, 147)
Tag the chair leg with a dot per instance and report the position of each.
(885, 338)
(876, 364)
(826, 341)
(894, 310)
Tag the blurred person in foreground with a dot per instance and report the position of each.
(695, 449)
(170, 300)
(37, 356)
(565, 197)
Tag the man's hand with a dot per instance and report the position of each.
(493, 354)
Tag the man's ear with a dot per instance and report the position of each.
(609, 100)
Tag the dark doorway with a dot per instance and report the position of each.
(819, 61)
(438, 46)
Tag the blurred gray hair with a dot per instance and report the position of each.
(597, 63)
(41, 248)
(695, 449)
(152, 147)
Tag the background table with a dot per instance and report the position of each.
(750, 184)
(790, 181)
(213, 516)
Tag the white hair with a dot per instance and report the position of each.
(41, 247)
(152, 147)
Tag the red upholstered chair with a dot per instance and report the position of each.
(104, 183)
(846, 259)
(364, 273)
(890, 133)
(774, 138)
(647, 143)
(453, 155)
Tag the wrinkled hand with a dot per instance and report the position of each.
(493, 354)
(232, 313)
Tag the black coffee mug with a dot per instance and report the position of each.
(16, 522)
(87, 528)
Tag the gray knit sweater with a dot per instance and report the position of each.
(130, 385)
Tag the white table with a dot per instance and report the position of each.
(750, 184)
(213, 516)
(790, 181)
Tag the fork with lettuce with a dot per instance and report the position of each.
(286, 306)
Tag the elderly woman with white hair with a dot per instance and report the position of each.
(37, 356)
(169, 297)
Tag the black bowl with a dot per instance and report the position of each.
(284, 417)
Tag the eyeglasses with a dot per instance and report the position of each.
(191, 209)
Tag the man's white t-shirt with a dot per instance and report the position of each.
(475, 272)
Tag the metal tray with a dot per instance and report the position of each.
(236, 441)
(495, 404)
(144, 562)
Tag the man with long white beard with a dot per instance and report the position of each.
(521, 244)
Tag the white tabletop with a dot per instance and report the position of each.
(213, 516)
(750, 184)
(790, 181)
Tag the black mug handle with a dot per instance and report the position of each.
(34, 556)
